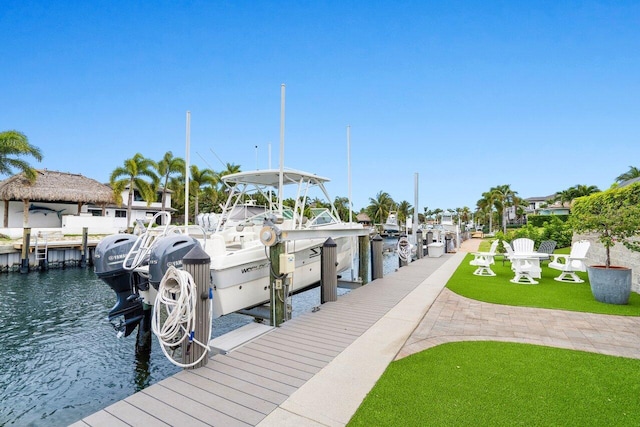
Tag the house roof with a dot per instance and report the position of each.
(53, 186)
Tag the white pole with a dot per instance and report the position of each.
(186, 174)
(415, 207)
(349, 191)
(349, 166)
(281, 182)
(257, 158)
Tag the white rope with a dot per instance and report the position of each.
(404, 249)
(176, 300)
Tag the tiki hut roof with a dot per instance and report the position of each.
(363, 217)
(53, 186)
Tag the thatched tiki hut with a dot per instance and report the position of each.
(52, 187)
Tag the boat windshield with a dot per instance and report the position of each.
(322, 216)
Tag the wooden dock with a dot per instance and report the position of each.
(246, 385)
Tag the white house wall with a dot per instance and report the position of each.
(41, 214)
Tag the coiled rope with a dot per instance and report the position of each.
(404, 249)
(176, 303)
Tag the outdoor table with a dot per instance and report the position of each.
(526, 266)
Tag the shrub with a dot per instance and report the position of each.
(539, 220)
(556, 229)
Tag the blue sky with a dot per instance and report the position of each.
(468, 95)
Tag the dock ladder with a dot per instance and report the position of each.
(41, 250)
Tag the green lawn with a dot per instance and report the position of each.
(547, 294)
(505, 384)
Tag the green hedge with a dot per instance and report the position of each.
(539, 220)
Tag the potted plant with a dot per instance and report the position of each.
(614, 216)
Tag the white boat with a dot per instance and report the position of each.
(240, 268)
(239, 258)
(391, 226)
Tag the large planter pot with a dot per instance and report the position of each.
(610, 285)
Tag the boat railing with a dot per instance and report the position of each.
(141, 248)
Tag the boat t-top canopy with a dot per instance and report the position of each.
(271, 177)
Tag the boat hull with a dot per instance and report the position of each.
(244, 284)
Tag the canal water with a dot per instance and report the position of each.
(60, 358)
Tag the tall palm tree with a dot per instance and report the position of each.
(131, 174)
(379, 207)
(405, 210)
(167, 167)
(199, 179)
(14, 144)
(633, 172)
(486, 204)
(504, 197)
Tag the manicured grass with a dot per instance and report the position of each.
(504, 384)
(547, 294)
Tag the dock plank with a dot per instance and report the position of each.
(250, 388)
(124, 413)
(242, 398)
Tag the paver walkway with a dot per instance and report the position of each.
(455, 318)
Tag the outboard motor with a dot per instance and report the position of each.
(108, 266)
(168, 251)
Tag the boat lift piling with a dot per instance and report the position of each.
(363, 258)
(83, 250)
(26, 237)
(419, 243)
(197, 263)
(278, 296)
(328, 274)
(377, 266)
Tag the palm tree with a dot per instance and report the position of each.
(633, 172)
(379, 208)
(584, 190)
(14, 143)
(486, 204)
(504, 197)
(342, 207)
(130, 175)
(199, 179)
(230, 169)
(565, 197)
(404, 211)
(166, 167)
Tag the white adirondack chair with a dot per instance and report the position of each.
(483, 260)
(571, 263)
(522, 244)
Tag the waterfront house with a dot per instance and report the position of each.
(70, 202)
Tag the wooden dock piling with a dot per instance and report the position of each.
(278, 296)
(377, 265)
(197, 263)
(328, 274)
(26, 237)
(363, 258)
(83, 249)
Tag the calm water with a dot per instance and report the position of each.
(61, 360)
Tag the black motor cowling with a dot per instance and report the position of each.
(108, 266)
(168, 251)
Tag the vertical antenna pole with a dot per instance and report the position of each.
(281, 182)
(186, 173)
